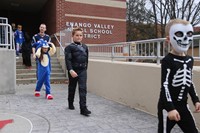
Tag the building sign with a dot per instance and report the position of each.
(92, 30)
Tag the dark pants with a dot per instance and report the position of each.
(81, 80)
(186, 123)
(26, 59)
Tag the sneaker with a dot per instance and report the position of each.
(37, 93)
(49, 97)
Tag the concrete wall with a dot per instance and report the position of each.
(7, 71)
(134, 84)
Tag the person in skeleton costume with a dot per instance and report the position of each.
(44, 67)
(176, 81)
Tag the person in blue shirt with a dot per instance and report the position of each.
(19, 39)
(37, 38)
(37, 45)
(43, 54)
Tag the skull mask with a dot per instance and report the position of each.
(181, 37)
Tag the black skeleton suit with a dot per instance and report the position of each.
(76, 58)
(176, 84)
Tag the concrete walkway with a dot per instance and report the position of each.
(29, 114)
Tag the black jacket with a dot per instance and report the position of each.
(76, 56)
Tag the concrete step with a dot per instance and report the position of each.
(19, 62)
(22, 71)
(33, 75)
(33, 80)
(20, 58)
(28, 76)
(57, 65)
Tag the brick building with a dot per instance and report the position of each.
(103, 21)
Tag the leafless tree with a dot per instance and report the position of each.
(138, 21)
(164, 10)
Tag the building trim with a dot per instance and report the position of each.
(109, 3)
(94, 17)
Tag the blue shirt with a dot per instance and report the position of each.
(37, 37)
(19, 37)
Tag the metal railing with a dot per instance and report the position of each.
(152, 50)
(63, 38)
(3, 20)
(6, 34)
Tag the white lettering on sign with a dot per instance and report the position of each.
(76, 24)
(92, 31)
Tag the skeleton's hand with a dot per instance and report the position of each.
(197, 107)
(174, 115)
